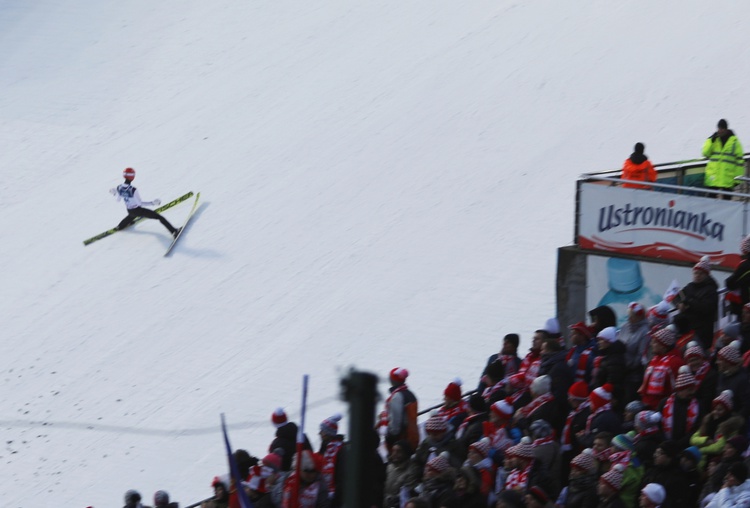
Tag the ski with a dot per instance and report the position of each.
(139, 219)
(184, 225)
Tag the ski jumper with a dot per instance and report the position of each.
(133, 203)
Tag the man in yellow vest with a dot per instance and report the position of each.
(724, 152)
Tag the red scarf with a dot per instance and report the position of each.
(465, 423)
(583, 362)
(451, 412)
(542, 441)
(491, 390)
(567, 441)
(667, 421)
(329, 464)
(517, 479)
(534, 405)
(619, 458)
(308, 495)
(498, 436)
(700, 374)
(384, 414)
(508, 362)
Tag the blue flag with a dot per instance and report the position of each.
(235, 471)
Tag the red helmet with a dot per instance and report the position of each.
(129, 174)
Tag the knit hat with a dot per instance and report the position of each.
(330, 426)
(722, 124)
(436, 424)
(685, 378)
(278, 418)
(439, 463)
(453, 390)
(646, 420)
(585, 461)
(665, 336)
(502, 408)
(517, 381)
(634, 407)
(161, 498)
(693, 350)
(745, 245)
(704, 264)
(399, 375)
(731, 353)
(609, 334)
(522, 450)
(658, 315)
(222, 480)
(637, 309)
(583, 329)
(739, 443)
(578, 390)
(540, 429)
(692, 453)
(482, 447)
(655, 493)
(613, 477)
(541, 385)
(476, 403)
(273, 461)
(623, 442)
(726, 398)
(552, 326)
(601, 396)
(538, 493)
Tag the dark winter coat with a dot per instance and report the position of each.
(582, 492)
(606, 421)
(428, 447)
(645, 446)
(555, 366)
(612, 370)
(702, 300)
(613, 502)
(706, 392)
(472, 433)
(739, 383)
(673, 479)
(286, 439)
(740, 281)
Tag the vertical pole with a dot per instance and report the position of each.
(360, 390)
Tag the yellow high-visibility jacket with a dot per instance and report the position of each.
(725, 162)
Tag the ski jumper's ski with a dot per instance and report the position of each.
(182, 229)
(139, 219)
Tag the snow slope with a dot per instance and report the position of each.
(384, 184)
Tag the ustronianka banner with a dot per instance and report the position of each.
(660, 225)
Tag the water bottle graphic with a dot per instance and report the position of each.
(626, 285)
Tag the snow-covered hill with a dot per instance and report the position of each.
(384, 184)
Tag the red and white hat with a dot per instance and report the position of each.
(583, 329)
(399, 375)
(694, 350)
(658, 315)
(637, 309)
(704, 264)
(585, 461)
(731, 353)
(745, 245)
(601, 396)
(523, 450)
(482, 447)
(646, 420)
(726, 399)
(685, 378)
(330, 426)
(435, 424)
(613, 477)
(453, 390)
(502, 408)
(578, 390)
(128, 174)
(608, 334)
(278, 418)
(665, 336)
(439, 463)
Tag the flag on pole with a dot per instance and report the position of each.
(235, 471)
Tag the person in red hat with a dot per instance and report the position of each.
(661, 372)
(578, 395)
(680, 411)
(454, 409)
(400, 414)
(580, 357)
(135, 205)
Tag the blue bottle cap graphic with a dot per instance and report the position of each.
(624, 275)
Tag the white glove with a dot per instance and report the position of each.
(113, 191)
(156, 202)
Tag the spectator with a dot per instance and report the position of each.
(609, 365)
(437, 481)
(652, 496)
(637, 167)
(726, 161)
(536, 497)
(739, 281)
(648, 435)
(285, 438)
(471, 429)
(704, 374)
(689, 461)
(437, 440)
(546, 450)
(735, 491)
(634, 334)
(510, 499)
(608, 488)
(698, 303)
(133, 499)
(508, 357)
(555, 366)
(263, 478)
(402, 475)
(312, 490)
(717, 426)
(466, 491)
(541, 407)
(331, 443)
(602, 317)
(499, 429)
(161, 500)
(632, 408)
(661, 372)
(680, 412)
(454, 408)
(732, 376)
(220, 485)
(580, 357)
(494, 380)
(622, 454)
(666, 472)
(601, 418)
(479, 459)
(731, 454)
(400, 415)
(578, 395)
(582, 479)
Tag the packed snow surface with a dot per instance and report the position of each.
(383, 184)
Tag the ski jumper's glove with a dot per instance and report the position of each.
(113, 191)
(156, 202)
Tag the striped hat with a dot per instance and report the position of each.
(399, 375)
(482, 447)
(623, 442)
(502, 408)
(745, 245)
(685, 378)
(439, 463)
(646, 420)
(658, 315)
(704, 264)
(522, 450)
(666, 336)
(585, 461)
(731, 353)
(613, 477)
(435, 424)
(725, 398)
(693, 350)
(601, 395)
